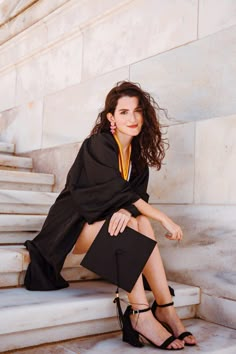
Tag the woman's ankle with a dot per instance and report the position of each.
(138, 305)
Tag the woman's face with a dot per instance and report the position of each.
(128, 116)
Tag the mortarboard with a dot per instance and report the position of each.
(119, 259)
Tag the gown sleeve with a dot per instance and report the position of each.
(95, 183)
(139, 184)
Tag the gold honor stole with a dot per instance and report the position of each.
(124, 168)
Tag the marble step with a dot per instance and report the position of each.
(7, 148)
(9, 161)
(25, 202)
(17, 238)
(21, 180)
(19, 222)
(85, 308)
(212, 339)
(15, 260)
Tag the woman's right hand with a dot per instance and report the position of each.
(118, 222)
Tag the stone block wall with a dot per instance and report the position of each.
(56, 67)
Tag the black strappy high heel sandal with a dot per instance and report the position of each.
(164, 324)
(131, 336)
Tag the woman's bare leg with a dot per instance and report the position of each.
(145, 323)
(155, 274)
(87, 236)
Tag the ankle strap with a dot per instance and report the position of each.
(134, 312)
(166, 305)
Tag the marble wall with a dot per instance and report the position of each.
(65, 57)
(59, 59)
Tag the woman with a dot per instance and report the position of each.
(109, 179)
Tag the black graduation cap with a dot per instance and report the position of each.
(119, 259)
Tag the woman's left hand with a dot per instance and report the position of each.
(174, 230)
(118, 222)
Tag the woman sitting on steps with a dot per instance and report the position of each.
(109, 179)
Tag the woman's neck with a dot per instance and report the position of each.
(124, 140)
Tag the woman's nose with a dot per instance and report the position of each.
(132, 117)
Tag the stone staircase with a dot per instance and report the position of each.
(85, 308)
(33, 318)
(25, 198)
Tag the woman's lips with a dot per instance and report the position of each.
(133, 126)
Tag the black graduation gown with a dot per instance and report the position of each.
(94, 190)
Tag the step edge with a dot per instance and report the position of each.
(102, 302)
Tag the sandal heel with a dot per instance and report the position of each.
(129, 334)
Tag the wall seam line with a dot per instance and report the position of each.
(198, 19)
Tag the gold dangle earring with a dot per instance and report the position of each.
(112, 127)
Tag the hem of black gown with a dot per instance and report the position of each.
(40, 275)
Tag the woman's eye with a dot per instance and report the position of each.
(124, 112)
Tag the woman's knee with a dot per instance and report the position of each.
(145, 226)
(133, 223)
(143, 221)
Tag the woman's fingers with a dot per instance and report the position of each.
(177, 234)
(174, 231)
(118, 223)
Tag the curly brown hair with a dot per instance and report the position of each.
(149, 146)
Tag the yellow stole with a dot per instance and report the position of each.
(124, 168)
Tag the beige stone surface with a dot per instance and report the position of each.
(54, 308)
(28, 17)
(73, 260)
(20, 253)
(64, 64)
(9, 9)
(11, 261)
(215, 161)
(174, 183)
(195, 81)
(133, 33)
(73, 111)
(70, 274)
(8, 168)
(16, 237)
(31, 77)
(26, 202)
(215, 16)
(212, 339)
(25, 186)
(13, 222)
(56, 160)
(77, 15)
(26, 177)
(48, 335)
(8, 279)
(15, 161)
(82, 301)
(23, 126)
(206, 256)
(7, 90)
(50, 22)
(26, 44)
(217, 310)
(7, 148)
(77, 274)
